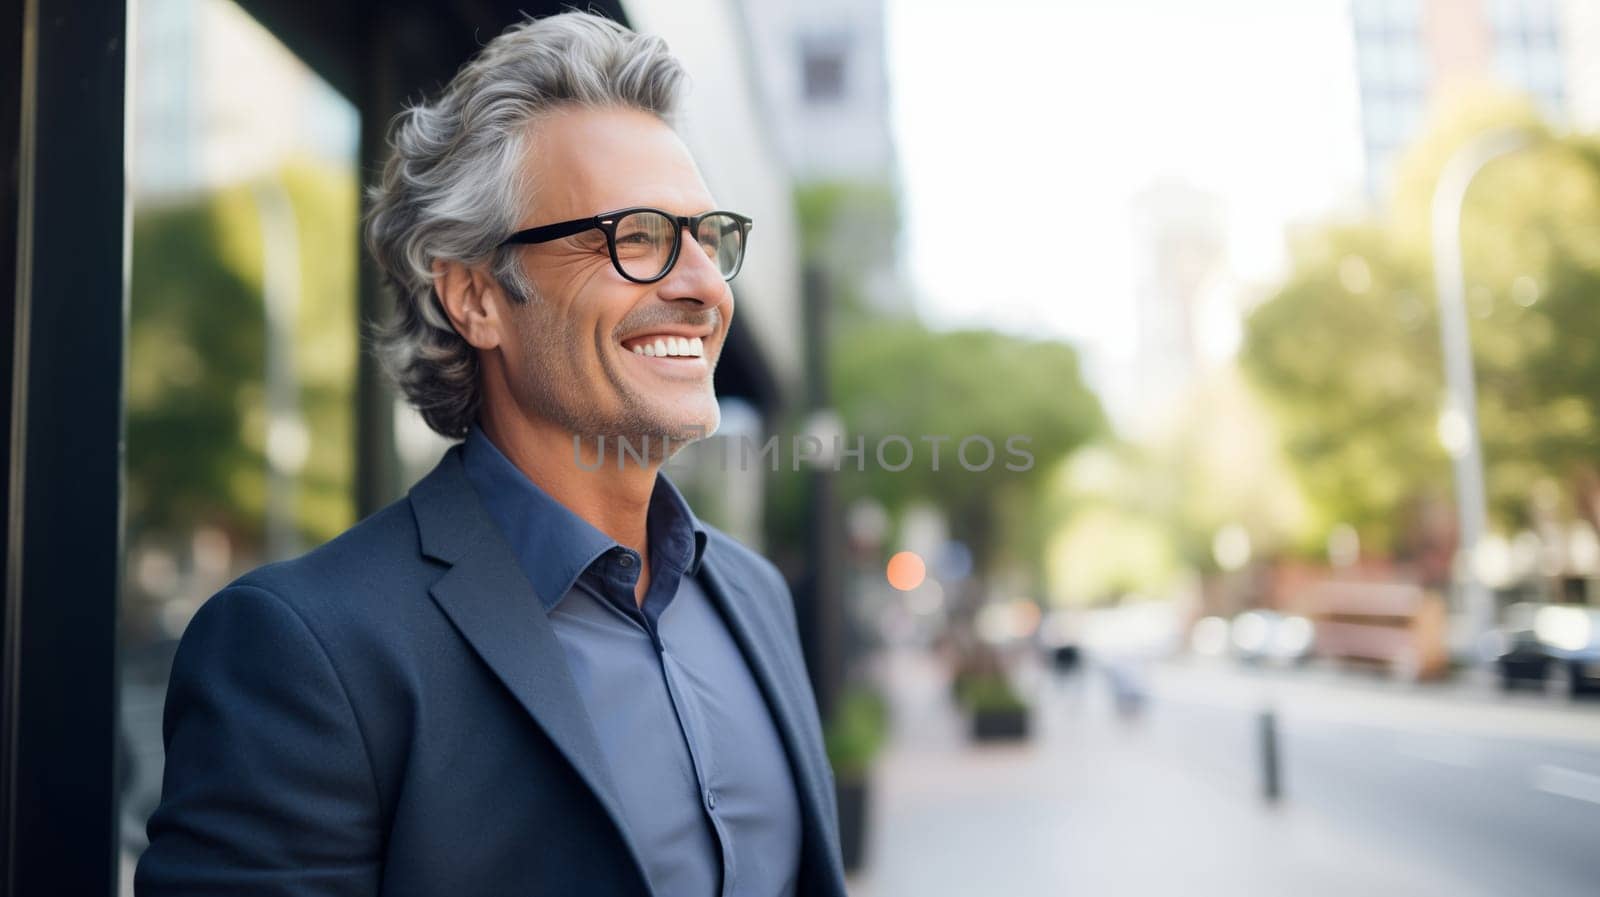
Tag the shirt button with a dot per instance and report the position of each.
(626, 560)
(711, 799)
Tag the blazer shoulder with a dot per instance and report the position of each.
(759, 576)
(736, 557)
(374, 558)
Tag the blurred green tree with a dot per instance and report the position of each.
(890, 376)
(1347, 350)
(196, 355)
(897, 378)
(197, 360)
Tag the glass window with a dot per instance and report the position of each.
(1374, 59)
(242, 342)
(824, 69)
(1511, 66)
(1403, 14)
(1542, 15)
(1413, 69)
(1502, 14)
(1544, 72)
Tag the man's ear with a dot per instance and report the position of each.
(472, 301)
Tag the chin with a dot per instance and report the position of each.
(686, 417)
(692, 427)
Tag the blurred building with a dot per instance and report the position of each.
(1409, 53)
(1581, 38)
(822, 71)
(215, 101)
(1180, 262)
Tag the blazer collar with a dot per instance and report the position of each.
(493, 606)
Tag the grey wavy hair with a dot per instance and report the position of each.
(454, 185)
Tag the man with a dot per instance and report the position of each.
(538, 674)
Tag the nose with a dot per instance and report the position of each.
(695, 276)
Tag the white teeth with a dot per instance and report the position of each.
(672, 346)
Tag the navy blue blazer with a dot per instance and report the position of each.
(391, 714)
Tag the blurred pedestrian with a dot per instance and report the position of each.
(1128, 692)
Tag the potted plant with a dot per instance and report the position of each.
(854, 736)
(997, 711)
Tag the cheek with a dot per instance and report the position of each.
(544, 340)
(726, 310)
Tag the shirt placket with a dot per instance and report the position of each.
(620, 574)
(691, 720)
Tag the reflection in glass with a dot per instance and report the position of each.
(242, 338)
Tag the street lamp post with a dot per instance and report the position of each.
(1459, 420)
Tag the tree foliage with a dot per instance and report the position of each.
(1347, 350)
(197, 360)
(889, 376)
(897, 378)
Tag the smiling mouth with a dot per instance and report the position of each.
(665, 346)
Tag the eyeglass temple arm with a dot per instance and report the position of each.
(548, 232)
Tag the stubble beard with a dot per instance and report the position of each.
(556, 398)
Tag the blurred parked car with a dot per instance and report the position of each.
(1256, 636)
(1541, 641)
(1264, 636)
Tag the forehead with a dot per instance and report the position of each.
(587, 161)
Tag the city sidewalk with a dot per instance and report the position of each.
(1099, 805)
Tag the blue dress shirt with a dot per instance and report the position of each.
(705, 784)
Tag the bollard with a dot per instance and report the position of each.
(1271, 784)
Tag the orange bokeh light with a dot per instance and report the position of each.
(906, 571)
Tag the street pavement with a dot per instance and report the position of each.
(1386, 790)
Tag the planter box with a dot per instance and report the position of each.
(1000, 724)
(852, 796)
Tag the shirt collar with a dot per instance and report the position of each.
(674, 528)
(552, 544)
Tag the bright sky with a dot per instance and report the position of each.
(1045, 117)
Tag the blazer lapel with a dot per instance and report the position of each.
(487, 597)
(777, 669)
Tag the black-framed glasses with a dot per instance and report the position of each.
(645, 242)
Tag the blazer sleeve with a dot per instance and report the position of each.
(268, 788)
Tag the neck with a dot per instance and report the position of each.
(616, 502)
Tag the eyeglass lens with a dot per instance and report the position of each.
(645, 242)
